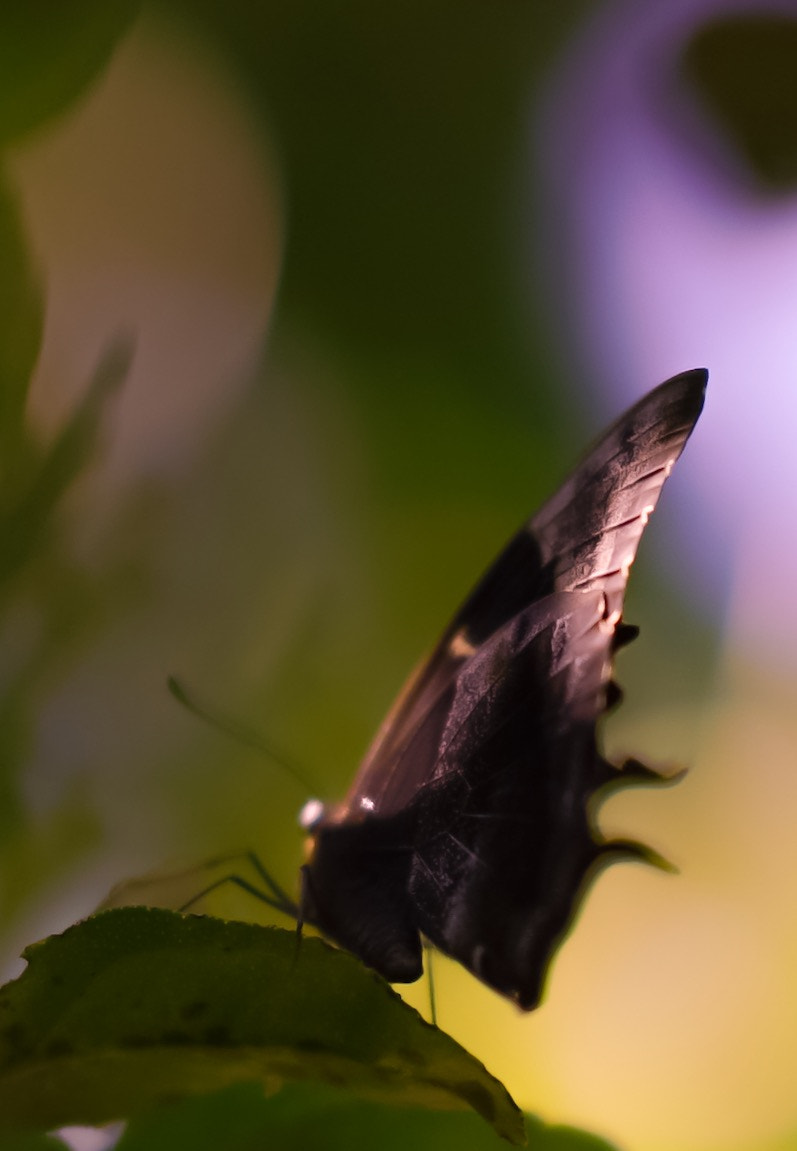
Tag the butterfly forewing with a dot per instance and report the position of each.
(468, 819)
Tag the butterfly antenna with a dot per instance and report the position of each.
(238, 732)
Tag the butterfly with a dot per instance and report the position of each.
(470, 821)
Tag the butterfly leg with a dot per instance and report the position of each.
(271, 893)
(301, 910)
(428, 950)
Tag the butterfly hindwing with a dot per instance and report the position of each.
(469, 820)
(503, 840)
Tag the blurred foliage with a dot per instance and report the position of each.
(50, 53)
(397, 130)
(392, 473)
(744, 68)
(30, 1141)
(35, 496)
(21, 321)
(32, 561)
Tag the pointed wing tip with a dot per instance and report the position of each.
(696, 375)
(693, 384)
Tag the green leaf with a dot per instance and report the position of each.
(561, 1138)
(309, 1115)
(137, 1006)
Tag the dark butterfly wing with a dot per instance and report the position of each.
(585, 536)
(468, 819)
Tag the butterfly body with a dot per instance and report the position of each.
(469, 822)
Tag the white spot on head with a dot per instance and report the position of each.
(366, 803)
(311, 814)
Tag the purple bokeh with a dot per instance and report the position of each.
(667, 259)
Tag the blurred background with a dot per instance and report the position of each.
(304, 308)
